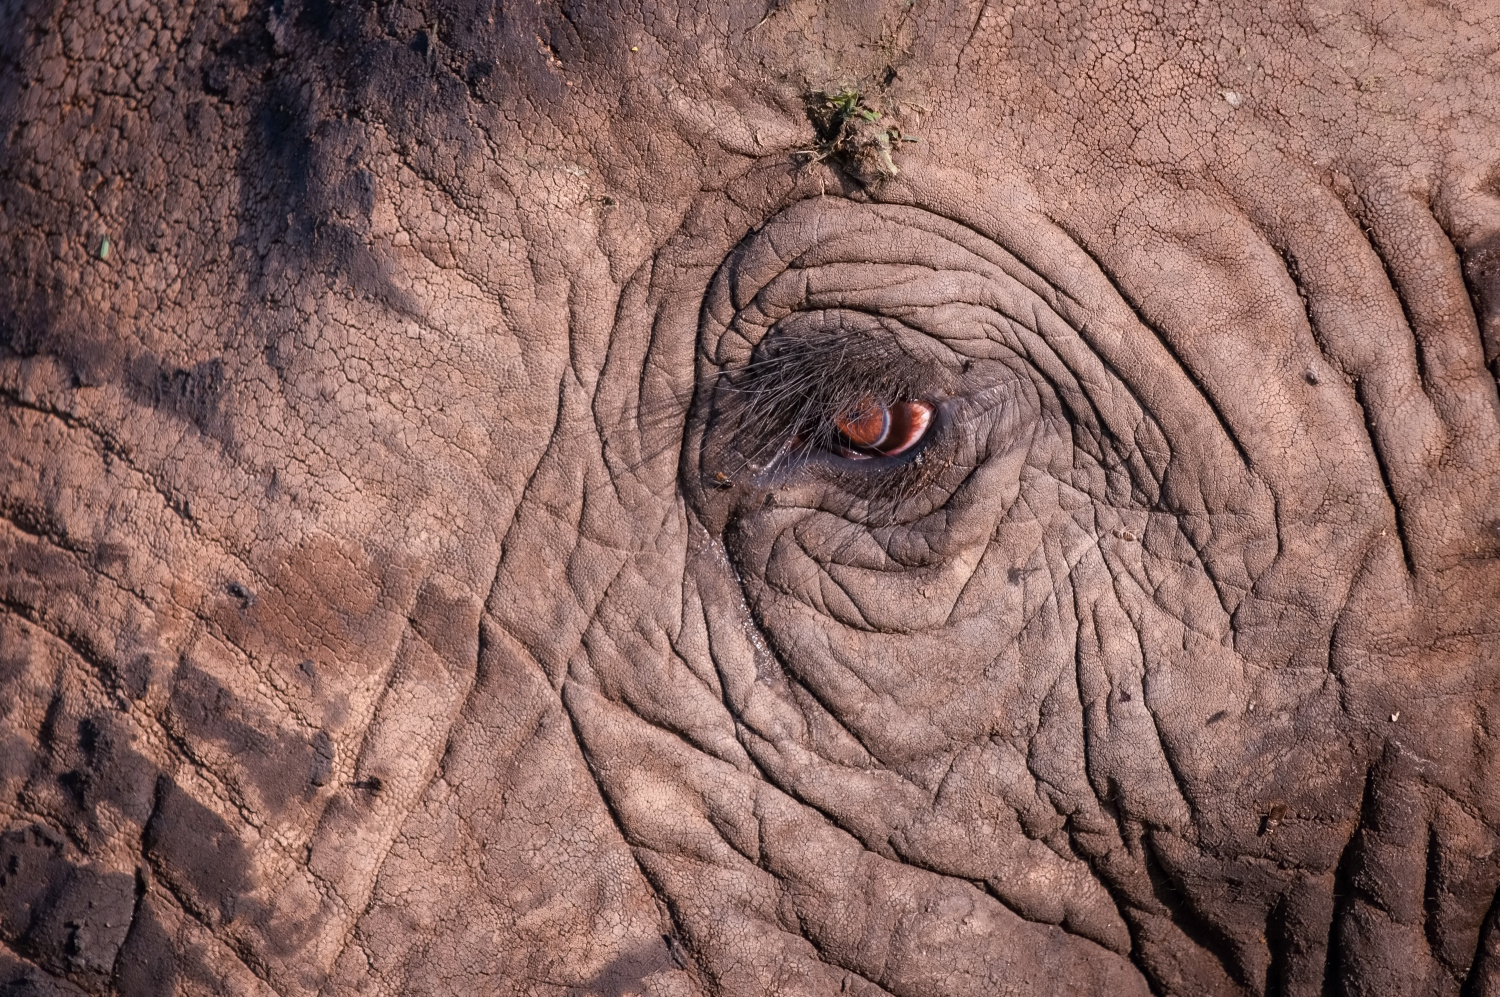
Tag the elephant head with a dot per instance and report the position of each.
(762, 498)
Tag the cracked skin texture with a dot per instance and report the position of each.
(388, 604)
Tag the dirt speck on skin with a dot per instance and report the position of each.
(855, 133)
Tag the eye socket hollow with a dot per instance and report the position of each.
(873, 429)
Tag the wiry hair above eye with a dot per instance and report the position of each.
(803, 384)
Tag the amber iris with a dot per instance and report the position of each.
(867, 424)
(871, 428)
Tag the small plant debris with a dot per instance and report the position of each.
(854, 133)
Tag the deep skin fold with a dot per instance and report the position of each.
(376, 621)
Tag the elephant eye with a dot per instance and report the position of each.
(870, 428)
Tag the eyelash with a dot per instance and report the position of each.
(870, 431)
(827, 393)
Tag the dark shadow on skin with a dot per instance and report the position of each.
(147, 966)
(75, 921)
(624, 974)
(1484, 973)
(192, 393)
(1197, 927)
(281, 764)
(1481, 270)
(307, 193)
(25, 305)
(67, 917)
(1279, 940)
(101, 929)
(197, 854)
(1347, 891)
(19, 978)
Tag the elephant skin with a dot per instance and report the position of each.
(887, 497)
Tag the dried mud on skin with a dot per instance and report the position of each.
(886, 498)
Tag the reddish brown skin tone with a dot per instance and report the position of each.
(381, 611)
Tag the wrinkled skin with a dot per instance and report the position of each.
(406, 589)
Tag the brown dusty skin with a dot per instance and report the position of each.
(425, 569)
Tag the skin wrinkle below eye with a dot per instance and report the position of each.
(1151, 589)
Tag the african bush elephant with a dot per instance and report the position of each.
(875, 497)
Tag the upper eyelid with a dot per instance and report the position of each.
(991, 289)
